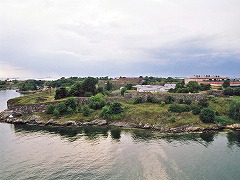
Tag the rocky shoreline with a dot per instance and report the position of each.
(9, 117)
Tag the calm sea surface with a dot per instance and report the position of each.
(32, 152)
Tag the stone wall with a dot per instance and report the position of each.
(163, 96)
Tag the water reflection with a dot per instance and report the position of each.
(115, 133)
(95, 132)
(233, 138)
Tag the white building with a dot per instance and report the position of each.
(154, 88)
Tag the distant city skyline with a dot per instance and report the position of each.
(130, 38)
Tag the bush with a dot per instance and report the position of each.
(61, 93)
(71, 102)
(88, 94)
(105, 113)
(207, 115)
(196, 110)
(137, 100)
(123, 90)
(56, 113)
(236, 91)
(181, 101)
(69, 110)
(151, 99)
(169, 100)
(86, 110)
(228, 91)
(115, 108)
(188, 101)
(97, 102)
(50, 109)
(234, 111)
(203, 103)
(62, 108)
(178, 108)
(173, 119)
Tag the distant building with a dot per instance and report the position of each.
(214, 81)
(154, 88)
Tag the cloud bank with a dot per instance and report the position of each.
(127, 38)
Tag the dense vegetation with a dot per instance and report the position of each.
(191, 87)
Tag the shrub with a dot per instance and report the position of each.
(105, 113)
(203, 103)
(181, 101)
(50, 109)
(86, 110)
(228, 91)
(169, 100)
(123, 90)
(173, 119)
(62, 108)
(61, 93)
(115, 108)
(207, 115)
(236, 91)
(196, 110)
(97, 102)
(151, 99)
(234, 111)
(56, 113)
(137, 100)
(88, 94)
(71, 102)
(188, 101)
(69, 110)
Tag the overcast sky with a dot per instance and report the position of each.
(40, 38)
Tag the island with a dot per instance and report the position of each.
(164, 104)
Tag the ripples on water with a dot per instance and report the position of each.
(33, 152)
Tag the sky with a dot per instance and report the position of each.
(56, 38)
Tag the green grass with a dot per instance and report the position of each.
(36, 98)
(143, 113)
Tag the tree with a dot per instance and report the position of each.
(85, 110)
(226, 83)
(205, 87)
(61, 93)
(97, 101)
(76, 89)
(236, 91)
(89, 85)
(123, 90)
(193, 87)
(62, 108)
(207, 115)
(234, 111)
(109, 86)
(169, 100)
(129, 86)
(228, 91)
(71, 102)
(115, 108)
(50, 109)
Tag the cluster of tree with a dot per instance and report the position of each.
(64, 82)
(109, 111)
(30, 85)
(232, 91)
(70, 106)
(3, 84)
(157, 80)
(191, 87)
(85, 88)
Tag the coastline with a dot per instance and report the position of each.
(6, 117)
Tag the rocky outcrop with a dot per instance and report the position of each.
(233, 126)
